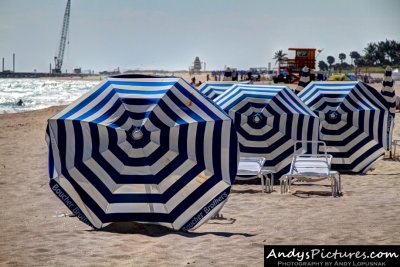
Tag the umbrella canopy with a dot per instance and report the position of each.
(146, 150)
(388, 91)
(304, 79)
(389, 94)
(352, 116)
(269, 119)
(215, 89)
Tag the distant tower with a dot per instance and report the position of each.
(197, 65)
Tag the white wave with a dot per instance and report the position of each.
(39, 94)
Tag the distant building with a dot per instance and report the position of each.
(107, 73)
(77, 70)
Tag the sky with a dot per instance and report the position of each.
(169, 34)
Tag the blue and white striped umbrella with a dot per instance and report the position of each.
(215, 89)
(146, 150)
(269, 119)
(354, 119)
(389, 94)
(304, 79)
(388, 91)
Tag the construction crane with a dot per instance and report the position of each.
(58, 60)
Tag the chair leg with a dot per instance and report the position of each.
(262, 183)
(334, 191)
(282, 184)
(268, 184)
(272, 182)
(286, 184)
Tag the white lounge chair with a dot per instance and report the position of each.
(311, 168)
(252, 167)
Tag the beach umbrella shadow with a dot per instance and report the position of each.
(158, 230)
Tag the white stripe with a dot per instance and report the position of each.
(70, 145)
(191, 141)
(208, 145)
(225, 150)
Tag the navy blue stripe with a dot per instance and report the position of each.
(50, 156)
(233, 153)
(216, 148)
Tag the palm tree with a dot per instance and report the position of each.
(354, 55)
(330, 60)
(342, 56)
(322, 65)
(279, 57)
(370, 53)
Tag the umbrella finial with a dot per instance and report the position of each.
(333, 115)
(137, 134)
(256, 118)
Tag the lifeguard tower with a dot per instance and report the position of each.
(290, 70)
(303, 57)
(196, 67)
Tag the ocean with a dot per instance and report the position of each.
(39, 93)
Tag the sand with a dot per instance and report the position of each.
(35, 232)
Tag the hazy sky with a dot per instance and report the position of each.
(169, 34)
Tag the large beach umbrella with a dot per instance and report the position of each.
(354, 119)
(304, 79)
(145, 150)
(215, 89)
(269, 120)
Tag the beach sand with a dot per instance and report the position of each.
(34, 233)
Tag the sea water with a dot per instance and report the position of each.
(39, 93)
